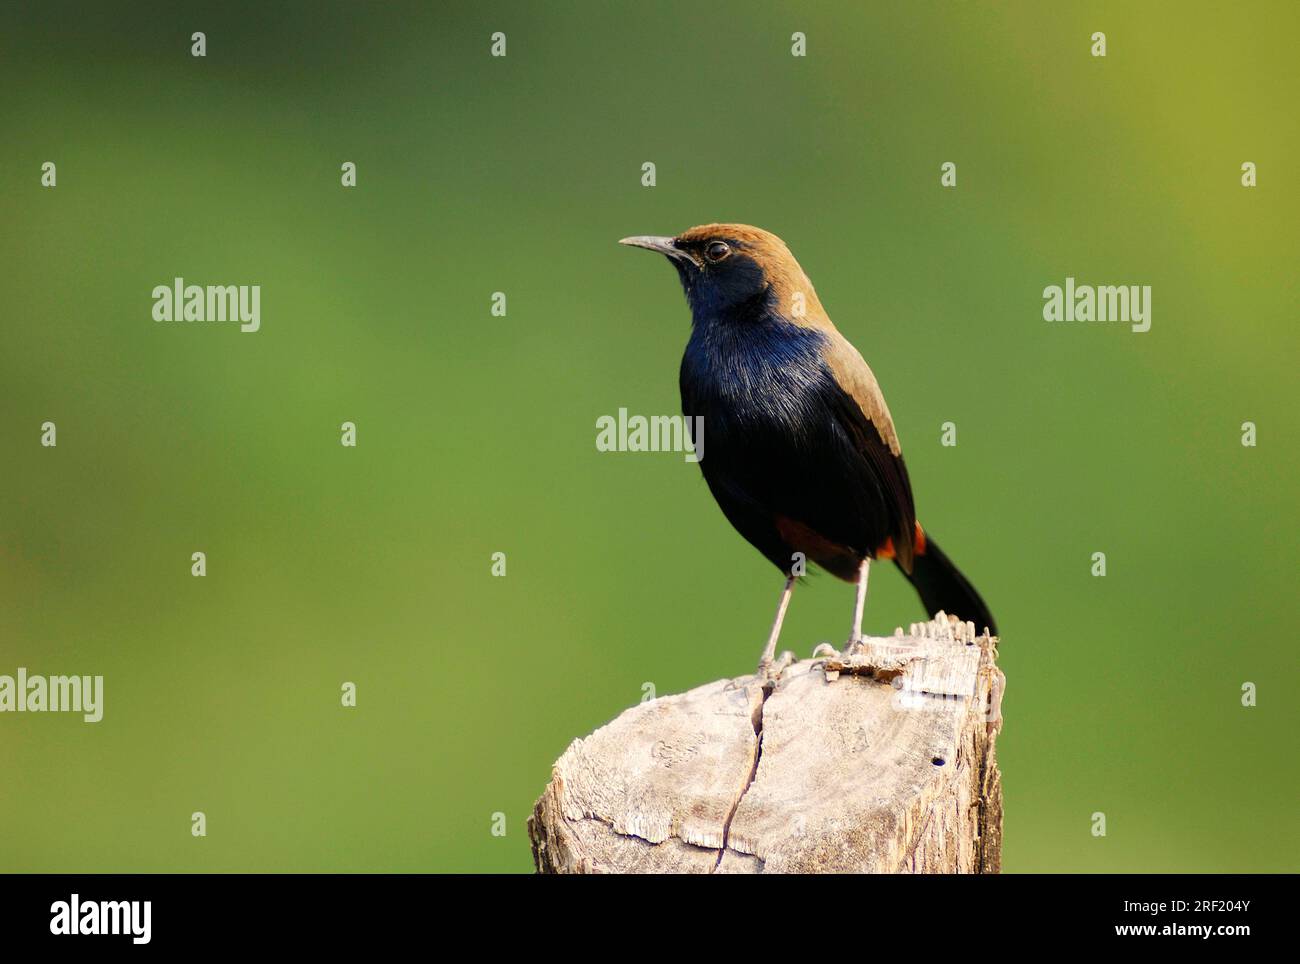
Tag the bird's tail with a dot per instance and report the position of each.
(941, 585)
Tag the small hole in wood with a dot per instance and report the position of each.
(938, 761)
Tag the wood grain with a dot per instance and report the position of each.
(879, 760)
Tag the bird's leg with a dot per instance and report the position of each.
(855, 640)
(769, 651)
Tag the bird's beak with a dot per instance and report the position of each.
(663, 245)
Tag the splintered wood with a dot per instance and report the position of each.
(879, 760)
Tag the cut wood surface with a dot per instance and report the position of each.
(879, 760)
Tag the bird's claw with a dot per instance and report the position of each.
(823, 652)
(769, 671)
(854, 646)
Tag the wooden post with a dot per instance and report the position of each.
(881, 760)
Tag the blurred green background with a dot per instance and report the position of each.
(476, 434)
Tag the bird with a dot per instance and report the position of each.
(803, 456)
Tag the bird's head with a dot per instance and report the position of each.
(735, 271)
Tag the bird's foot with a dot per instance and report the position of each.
(825, 656)
(768, 673)
(854, 645)
(822, 653)
(823, 650)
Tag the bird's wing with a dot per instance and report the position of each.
(862, 414)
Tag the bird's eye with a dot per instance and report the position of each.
(717, 251)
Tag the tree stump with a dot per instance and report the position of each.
(879, 760)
